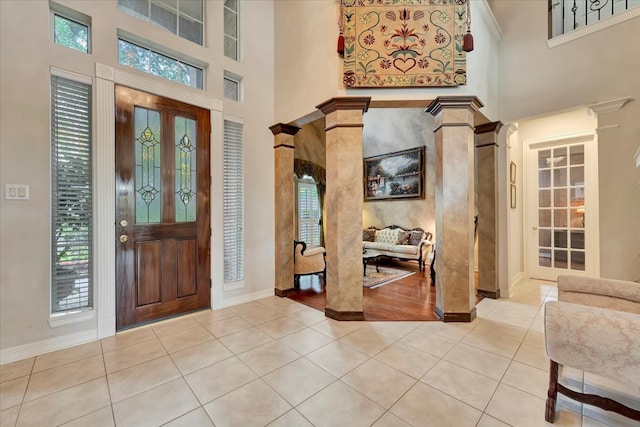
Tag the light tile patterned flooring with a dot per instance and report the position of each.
(279, 363)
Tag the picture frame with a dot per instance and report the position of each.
(513, 196)
(512, 173)
(397, 175)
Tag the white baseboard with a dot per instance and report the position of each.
(241, 299)
(46, 346)
(514, 281)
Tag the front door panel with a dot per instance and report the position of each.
(162, 207)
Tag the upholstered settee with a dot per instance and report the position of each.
(397, 242)
(594, 327)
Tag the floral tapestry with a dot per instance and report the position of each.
(404, 43)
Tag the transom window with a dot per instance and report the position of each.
(182, 17)
(158, 64)
(70, 33)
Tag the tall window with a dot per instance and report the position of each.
(233, 183)
(71, 196)
(308, 212)
(70, 33)
(231, 29)
(181, 17)
(152, 62)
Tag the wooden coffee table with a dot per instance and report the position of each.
(369, 255)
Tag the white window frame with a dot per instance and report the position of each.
(312, 221)
(176, 11)
(136, 41)
(235, 79)
(238, 29)
(73, 16)
(233, 216)
(61, 318)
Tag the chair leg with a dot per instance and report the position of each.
(552, 393)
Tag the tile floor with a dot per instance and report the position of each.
(279, 363)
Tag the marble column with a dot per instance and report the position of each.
(488, 213)
(283, 152)
(454, 147)
(343, 200)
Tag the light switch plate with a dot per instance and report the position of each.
(16, 192)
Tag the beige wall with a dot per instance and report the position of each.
(308, 69)
(536, 80)
(27, 53)
(388, 130)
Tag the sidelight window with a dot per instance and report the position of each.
(233, 182)
(71, 196)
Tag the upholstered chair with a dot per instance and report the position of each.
(594, 327)
(307, 261)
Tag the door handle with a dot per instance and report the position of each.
(124, 223)
(534, 227)
(124, 238)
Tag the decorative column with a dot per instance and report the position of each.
(488, 213)
(343, 200)
(454, 132)
(283, 152)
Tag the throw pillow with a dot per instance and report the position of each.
(368, 235)
(403, 237)
(415, 238)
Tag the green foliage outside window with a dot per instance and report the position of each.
(151, 62)
(71, 34)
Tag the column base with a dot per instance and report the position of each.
(343, 315)
(456, 317)
(489, 294)
(283, 293)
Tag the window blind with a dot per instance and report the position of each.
(71, 196)
(233, 202)
(308, 214)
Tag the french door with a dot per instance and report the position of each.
(162, 225)
(561, 238)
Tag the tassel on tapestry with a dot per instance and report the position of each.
(467, 40)
(341, 28)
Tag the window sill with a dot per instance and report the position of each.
(590, 29)
(63, 319)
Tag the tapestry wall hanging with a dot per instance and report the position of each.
(404, 43)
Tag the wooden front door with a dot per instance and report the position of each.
(162, 207)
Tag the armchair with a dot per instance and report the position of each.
(594, 327)
(307, 261)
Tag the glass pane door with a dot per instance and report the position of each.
(561, 208)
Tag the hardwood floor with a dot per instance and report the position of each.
(409, 298)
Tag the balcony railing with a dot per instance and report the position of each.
(568, 15)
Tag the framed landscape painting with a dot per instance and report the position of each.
(398, 175)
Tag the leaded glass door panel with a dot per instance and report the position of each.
(162, 207)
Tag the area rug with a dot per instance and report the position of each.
(373, 279)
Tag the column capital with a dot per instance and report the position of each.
(345, 103)
(279, 128)
(489, 127)
(447, 102)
